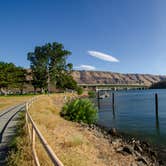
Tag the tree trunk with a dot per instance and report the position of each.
(3, 92)
(21, 91)
(34, 90)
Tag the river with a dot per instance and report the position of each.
(134, 114)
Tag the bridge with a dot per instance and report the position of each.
(113, 86)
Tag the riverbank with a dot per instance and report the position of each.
(79, 144)
(143, 152)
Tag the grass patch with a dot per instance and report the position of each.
(74, 140)
(8, 101)
(20, 153)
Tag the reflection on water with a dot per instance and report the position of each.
(157, 125)
(134, 113)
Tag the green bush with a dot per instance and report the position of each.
(92, 94)
(80, 110)
(79, 90)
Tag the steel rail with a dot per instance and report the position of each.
(10, 118)
(10, 109)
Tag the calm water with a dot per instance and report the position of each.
(135, 114)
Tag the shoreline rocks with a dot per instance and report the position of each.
(143, 153)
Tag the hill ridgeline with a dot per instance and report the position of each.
(101, 77)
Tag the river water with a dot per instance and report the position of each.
(134, 114)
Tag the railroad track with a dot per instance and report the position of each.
(8, 122)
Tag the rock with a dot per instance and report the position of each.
(153, 153)
(145, 144)
(161, 162)
(105, 132)
(98, 134)
(112, 131)
(137, 154)
(138, 148)
(140, 163)
(92, 126)
(119, 149)
(126, 150)
(142, 160)
(129, 149)
(117, 142)
(133, 164)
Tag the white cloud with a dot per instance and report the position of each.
(85, 67)
(103, 56)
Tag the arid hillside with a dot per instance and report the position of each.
(100, 77)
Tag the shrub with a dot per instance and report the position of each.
(92, 94)
(80, 110)
(79, 90)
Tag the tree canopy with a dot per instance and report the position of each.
(48, 65)
(11, 76)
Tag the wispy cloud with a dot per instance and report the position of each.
(85, 67)
(103, 56)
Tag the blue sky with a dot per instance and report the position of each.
(132, 31)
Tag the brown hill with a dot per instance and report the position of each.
(101, 77)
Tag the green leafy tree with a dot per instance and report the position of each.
(20, 78)
(79, 90)
(48, 64)
(3, 81)
(6, 76)
(11, 77)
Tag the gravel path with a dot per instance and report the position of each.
(8, 122)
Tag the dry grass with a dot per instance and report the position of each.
(7, 101)
(20, 149)
(73, 144)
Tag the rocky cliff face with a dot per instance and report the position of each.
(99, 77)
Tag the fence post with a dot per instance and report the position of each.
(26, 106)
(33, 138)
(26, 109)
(36, 160)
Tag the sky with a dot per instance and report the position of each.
(126, 36)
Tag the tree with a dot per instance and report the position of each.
(66, 81)
(20, 78)
(11, 77)
(48, 64)
(6, 76)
